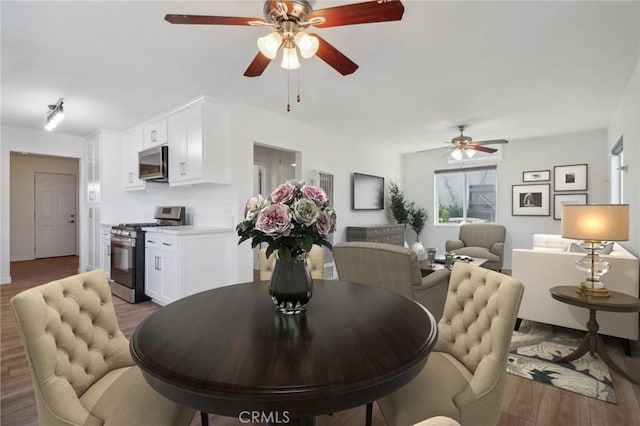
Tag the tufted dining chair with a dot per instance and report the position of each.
(463, 378)
(79, 359)
(315, 263)
(485, 240)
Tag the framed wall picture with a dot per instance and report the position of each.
(560, 200)
(572, 177)
(536, 176)
(530, 200)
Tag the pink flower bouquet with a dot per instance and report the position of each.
(294, 217)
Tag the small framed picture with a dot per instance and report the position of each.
(560, 200)
(530, 200)
(572, 177)
(536, 176)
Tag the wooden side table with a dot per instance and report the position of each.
(616, 302)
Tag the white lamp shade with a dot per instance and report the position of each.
(269, 44)
(307, 44)
(290, 59)
(456, 154)
(596, 222)
(470, 152)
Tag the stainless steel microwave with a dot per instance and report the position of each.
(153, 164)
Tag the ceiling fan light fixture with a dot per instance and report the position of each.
(269, 44)
(290, 59)
(470, 152)
(456, 154)
(307, 44)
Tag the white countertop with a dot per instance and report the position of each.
(188, 230)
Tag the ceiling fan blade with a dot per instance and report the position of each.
(359, 13)
(334, 57)
(210, 20)
(496, 141)
(257, 66)
(481, 148)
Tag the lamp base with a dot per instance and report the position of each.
(588, 290)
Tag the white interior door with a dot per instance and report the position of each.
(55, 214)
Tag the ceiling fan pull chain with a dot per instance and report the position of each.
(298, 97)
(288, 91)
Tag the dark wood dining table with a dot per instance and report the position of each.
(227, 351)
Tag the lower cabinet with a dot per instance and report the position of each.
(180, 265)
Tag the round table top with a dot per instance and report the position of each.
(616, 302)
(227, 350)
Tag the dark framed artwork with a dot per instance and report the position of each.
(572, 177)
(536, 176)
(560, 200)
(530, 200)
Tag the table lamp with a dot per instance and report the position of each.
(595, 224)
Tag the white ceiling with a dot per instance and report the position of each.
(508, 69)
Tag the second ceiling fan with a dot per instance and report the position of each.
(290, 20)
(465, 146)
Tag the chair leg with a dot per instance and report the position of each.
(369, 414)
(518, 322)
(204, 418)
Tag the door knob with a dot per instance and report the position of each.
(72, 221)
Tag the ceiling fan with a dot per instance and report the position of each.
(464, 145)
(290, 20)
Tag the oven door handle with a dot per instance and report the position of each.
(128, 242)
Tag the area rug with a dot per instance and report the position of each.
(533, 348)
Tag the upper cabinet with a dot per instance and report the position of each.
(155, 134)
(94, 169)
(131, 145)
(198, 137)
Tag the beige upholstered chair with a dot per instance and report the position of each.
(393, 267)
(485, 240)
(464, 375)
(80, 364)
(315, 262)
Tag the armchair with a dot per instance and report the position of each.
(464, 375)
(393, 267)
(485, 240)
(82, 371)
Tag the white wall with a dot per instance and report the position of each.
(518, 156)
(626, 122)
(33, 141)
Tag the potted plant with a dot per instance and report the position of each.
(399, 206)
(417, 218)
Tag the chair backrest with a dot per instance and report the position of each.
(478, 319)
(71, 337)
(382, 265)
(315, 263)
(482, 234)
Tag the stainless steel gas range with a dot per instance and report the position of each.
(128, 256)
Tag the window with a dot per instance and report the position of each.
(617, 172)
(465, 196)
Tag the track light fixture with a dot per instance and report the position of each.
(55, 115)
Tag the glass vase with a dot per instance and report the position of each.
(291, 285)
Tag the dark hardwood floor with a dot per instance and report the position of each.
(526, 403)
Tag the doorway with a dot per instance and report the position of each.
(271, 167)
(55, 215)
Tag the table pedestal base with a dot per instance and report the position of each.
(593, 344)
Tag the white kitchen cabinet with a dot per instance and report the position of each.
(161, 268)
(94, 169)
(199, 143)
(155, 134)
(92, 258)
(131, 145)
(178, 264)
(105, 248)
